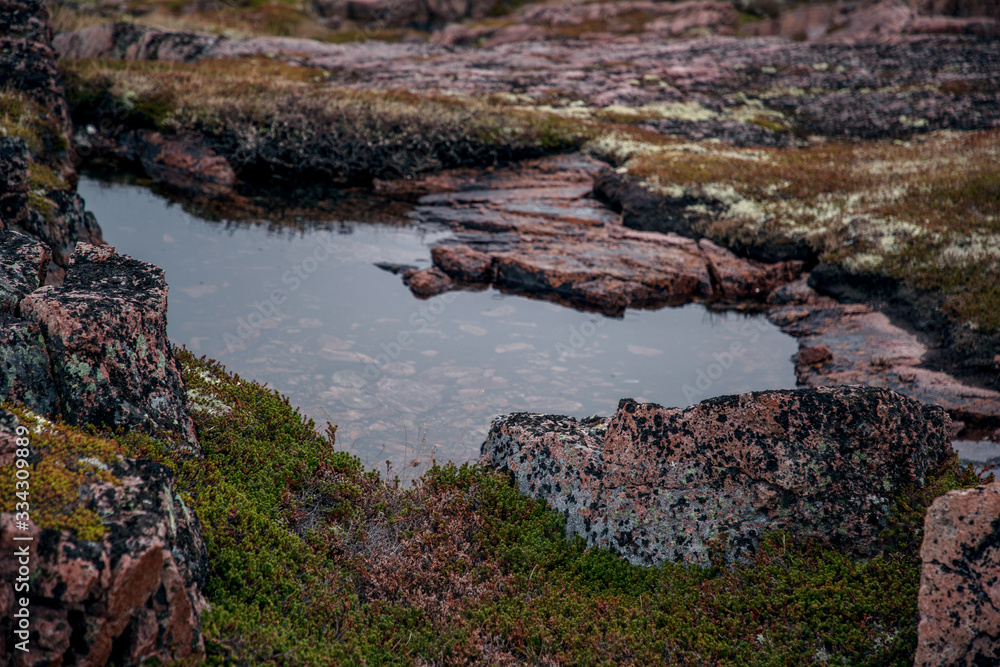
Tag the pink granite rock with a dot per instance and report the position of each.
(131, 596)
(182, 163)
(660, 484)
(23, 268)
(105, 329)
(865, 347)
(959, 597)
(533, 228)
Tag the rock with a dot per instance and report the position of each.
(797, 293)
(426, 283)
(959, 598)
(65, 223)
(22, 271)
(130, 41)
(25, 367)
(667, 484)
(464, 264)
(810, 356)
(28, 65)
(865, 347)
(14, 186)
(529, 228)
(105, 330)
(958, 8)
(133, 595)
(182, 163)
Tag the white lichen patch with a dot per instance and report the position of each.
(198, 401)
(975, 248)
(619, 147)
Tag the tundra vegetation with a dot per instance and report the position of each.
(316, 560)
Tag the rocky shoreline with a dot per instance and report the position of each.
(167, 494)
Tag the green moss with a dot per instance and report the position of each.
(67, 460)
(315, 560)
(23, 118)
(265, 117)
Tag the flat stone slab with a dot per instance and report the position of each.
(668, 484)
(558, 241)
(864, 347)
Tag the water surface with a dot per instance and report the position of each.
(306, 311)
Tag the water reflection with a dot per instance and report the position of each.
(306, 310)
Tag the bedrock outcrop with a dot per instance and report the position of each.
(763, 90)
(132, 595)
(959, 598)
(534, 228)
(668, 484)
(94, 349)
(37, 154)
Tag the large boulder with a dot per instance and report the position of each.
(667, 484)
(105, 329)
(959, 597)
(129, 595)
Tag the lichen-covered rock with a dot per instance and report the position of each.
(959, 597)
(106, 331)
(22, 270)
(667, 484)
(132, 595)
(25, 375)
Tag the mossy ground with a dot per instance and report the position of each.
(314, 560)
(273, 120)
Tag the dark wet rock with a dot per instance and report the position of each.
(867, 348)
(135, 593)
(545, 236)
(105, 330)
(22, 271)
(810, 356)
(428, 282)
(28, 66)
(394, 268)
(25, 367)
(798, 292)
(181, 163)
(959, 597)
(14, 186)
(62, 223)
(55, 214)
(667, 484)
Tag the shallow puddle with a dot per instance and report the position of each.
(308, 312)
